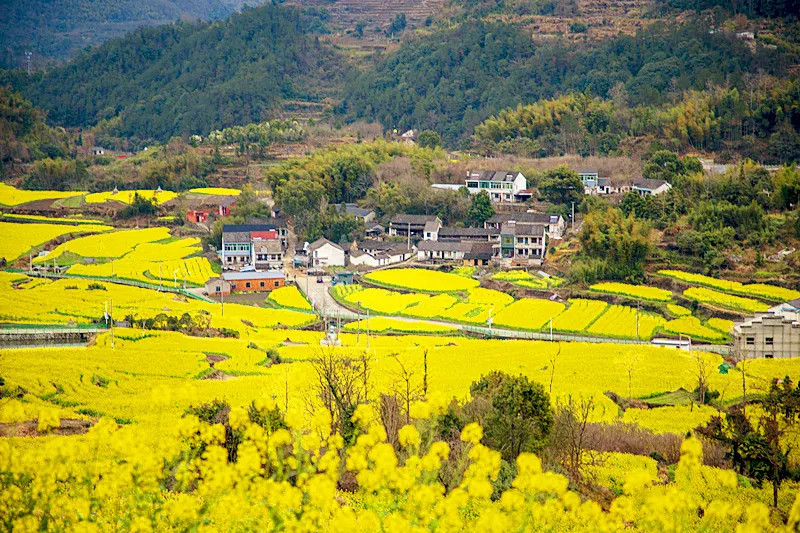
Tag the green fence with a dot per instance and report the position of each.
(124, 281)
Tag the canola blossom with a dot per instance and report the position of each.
(640, 292)
(678, 310)
(126, 197)
(220, 191)
(691, 326)
(419, 279)
(52, 220)
(621, 321)
(758, 290)
(18, 238)
(289, 297)
(12, 196)
(114, 244)
(720, 299)
(384, 324)
(721, 324)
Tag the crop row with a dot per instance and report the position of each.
(758, 290)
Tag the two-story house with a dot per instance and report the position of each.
(521, 243)
(324, 253)
(267, 254)
(501, 185)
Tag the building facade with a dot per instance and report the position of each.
(767, 335)
(324, 253)
(500, 185)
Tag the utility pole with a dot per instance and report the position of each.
(573, 217)
(358, 325)
(112, 323)
(551, 329)
(638, 303)
(28, 55)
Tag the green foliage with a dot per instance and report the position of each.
(23, 132)
(447, 82)
(481, 208)
(732, 119)
(762, 8)
(253, 139)
(58, 30)
(58, 174)
(429, 139)
(561, 186)
(140, 206)
(188, 78)
(517, 416)
(622, 243)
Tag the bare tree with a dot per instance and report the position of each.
(571, 440)
(553, 360)
(341, 384)
(630, 367)
(408, 386)
(702, 372)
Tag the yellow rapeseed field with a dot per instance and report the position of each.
(420, 279)
(222, 191)
(126, 197)
(720, 299)
(290, 297)
(640, 292)
(384, 324)
(18, 238)
(11, 196)
(758, 290)
(114, 244)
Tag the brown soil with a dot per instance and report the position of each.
(69, 426)
(214, 358)
(218, 375)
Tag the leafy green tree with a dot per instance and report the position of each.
(300, 199)
(429, 139)
(517, 416)
(623, 243)
(388, 199)
(561, 186)
(481, 208)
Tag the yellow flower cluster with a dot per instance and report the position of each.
(40, 218)
(620, 321)
(678, 310)
(691, 326)
(419, 279)
(716, 298)
(579, 315)
(759, 290)
(115, 244)
(126, 197)
(678, 419)
(721, 324)
(221, 191)
(289, 297)
(11, 196)
(384, 324)
(639, 292)
(18, 238)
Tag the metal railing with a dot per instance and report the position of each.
(123, 281)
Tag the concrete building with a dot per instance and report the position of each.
(501, 185)
(479, 254)
(589, 176)
(373, 254)
(773, 334)
(324, 253)
(268, 255)
(239, 243)
(521, 243)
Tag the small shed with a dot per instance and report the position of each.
(342, 277)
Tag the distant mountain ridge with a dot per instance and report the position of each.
(55, 30)
(182, 79)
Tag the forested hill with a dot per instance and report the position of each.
(183, 79)
(452, 82)
(57, 29)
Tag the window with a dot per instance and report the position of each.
(277, 283)
(247, 285)
(768, 341)
(218, 288)
(769, 355)
(233, 286)
(750, 341)
(262, 285)
(230, 259)
(472, 184)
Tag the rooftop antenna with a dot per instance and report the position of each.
(28, 55)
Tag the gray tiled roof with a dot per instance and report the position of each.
(650, 185)
(419, 220)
